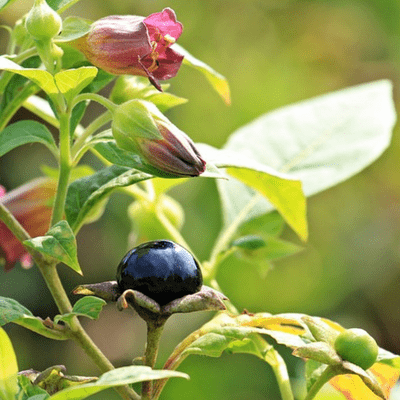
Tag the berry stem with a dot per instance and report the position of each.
(325, 377)
(154, 331)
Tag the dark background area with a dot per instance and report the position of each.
(273, 53)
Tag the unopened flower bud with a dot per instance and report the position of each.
(42, 22)
(138, 126)
(133, 45)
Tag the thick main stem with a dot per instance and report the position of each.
(154, 331)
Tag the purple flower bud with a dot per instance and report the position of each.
(138, 126)
(135, 45)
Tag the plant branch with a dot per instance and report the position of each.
(94, 97)
(79, 144)
(275, 360)
(226, 236)
(325, 377)
(154, 331)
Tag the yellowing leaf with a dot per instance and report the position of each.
(353, 388)
(276, 323)
(8, 368)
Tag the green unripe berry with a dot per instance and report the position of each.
(358, 347)
(42, 22)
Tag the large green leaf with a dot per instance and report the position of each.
(116, 377)
(88, 306)
(42, 78)
(282, 191)
(58, 243)
(217, 81)
(321, 142)
(8, 368)
(86, 194)
(23, 132)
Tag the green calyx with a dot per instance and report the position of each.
(42, 22)
(357, 347)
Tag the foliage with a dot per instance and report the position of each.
(266, 169)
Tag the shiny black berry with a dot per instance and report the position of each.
(162, 270)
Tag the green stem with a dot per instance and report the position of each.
(95, 125)
(278, 365)
(325, 377)
(95, 97)
(174, 360)
(65, 169)
(56, 288)
(154, 331)
(226, 236)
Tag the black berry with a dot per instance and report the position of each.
(162, 270)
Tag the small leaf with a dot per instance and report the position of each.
(23, 132)
(58, 243)
(73, 28)
(72, 81)
(250, 242)
(42, 78)
(61, 5)
(116, 377)
(165, 101)
(87, 193)
(88, 306)
(17, 83)
(27, 388)
(217, 81)
(8, 368)
(318, 351)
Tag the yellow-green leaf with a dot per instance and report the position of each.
(8, 368)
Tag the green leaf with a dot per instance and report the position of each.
(214, 344)
(116, 377)
(281, 190)
(58, 243)
(321, 142)
(73, 28)
(88, 306)
(164, 101)
(217, 81)
(5, 3)
(29, 390)
(8, 368)
(42, 78)
(11, 310)
(23, 132)
(72, 81)
(17, 83)
(87, 193)
(61, 5)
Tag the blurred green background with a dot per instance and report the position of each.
(273, 53)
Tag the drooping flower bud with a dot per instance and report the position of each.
(134, 45)
(31, 206)
(42, 22)
(138, 126)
